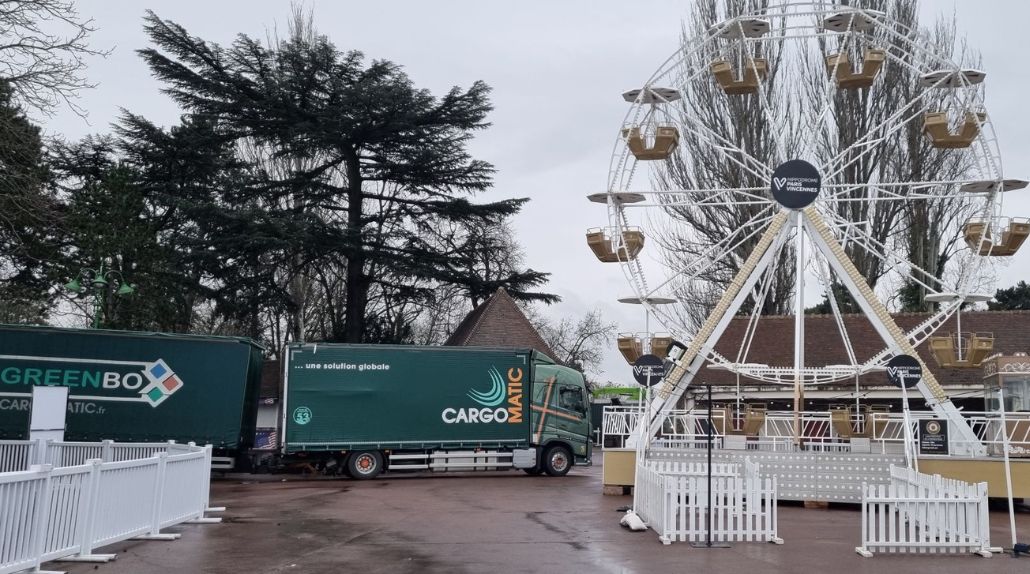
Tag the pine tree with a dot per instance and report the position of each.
(364, 166)
(26, 215)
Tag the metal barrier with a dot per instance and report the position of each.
(680, 427)
(882, 432)
(65, 513)
(925, 514)
(672, 499)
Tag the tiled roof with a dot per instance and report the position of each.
(773, 342)
(498, 322)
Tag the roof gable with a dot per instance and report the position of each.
(498, 322)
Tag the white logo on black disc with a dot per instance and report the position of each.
(796, 184)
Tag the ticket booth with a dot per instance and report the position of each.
(1011, 374)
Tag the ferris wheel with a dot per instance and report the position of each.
(795, 145)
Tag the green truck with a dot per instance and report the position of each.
(134, 387)
(370, 408)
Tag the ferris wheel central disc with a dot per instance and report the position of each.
(796, 184)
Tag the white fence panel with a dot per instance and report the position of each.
(21, 496)
(67, 510)
(138, 450)
(183, 496)
(672, 498)
(123, 507)
(16, 455)
(59, 453)
(924, 513)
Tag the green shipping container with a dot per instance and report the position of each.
(347, 397)
(134, 387)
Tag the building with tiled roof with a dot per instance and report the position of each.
(498, 322)
(773, 345)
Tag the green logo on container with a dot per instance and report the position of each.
(302, 415)
(495, 395)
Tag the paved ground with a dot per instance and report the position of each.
(498, 522)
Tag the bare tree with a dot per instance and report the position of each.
(579, 343)
(874, 145)
(799, 111)
(746, 125)
(43, 51)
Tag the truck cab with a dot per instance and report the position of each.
(560, 418)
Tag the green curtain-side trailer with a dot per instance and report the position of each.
(134, 386)
(432, 408)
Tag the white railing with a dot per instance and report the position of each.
(886, 431)
(17, 454)
(21, 454)
(52, 513)
(680, 428)
(672, 499)
(923, 513)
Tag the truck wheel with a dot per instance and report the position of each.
(365, 464)
(557, 461)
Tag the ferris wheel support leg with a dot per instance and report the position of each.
(888, 329)
(677, 381)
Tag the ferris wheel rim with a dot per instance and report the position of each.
(622, 166)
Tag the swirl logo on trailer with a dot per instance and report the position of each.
(492, 400)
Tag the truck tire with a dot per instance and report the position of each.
(365, 464)
(557, 461)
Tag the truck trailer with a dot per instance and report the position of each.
(135, 386)
(370, 408)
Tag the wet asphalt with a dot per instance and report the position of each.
(492, 522)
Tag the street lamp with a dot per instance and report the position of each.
(100, 280)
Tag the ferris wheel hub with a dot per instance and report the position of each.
(796, 184)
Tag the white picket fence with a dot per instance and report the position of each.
(672, 498)
(924, 513)
(51, 512)
(21, 454)
(18, 454)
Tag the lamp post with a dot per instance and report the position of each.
(100, 280)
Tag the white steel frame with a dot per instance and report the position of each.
(819, 232)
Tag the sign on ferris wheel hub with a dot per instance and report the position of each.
(795, 184)
(648, 370)
(904, 371)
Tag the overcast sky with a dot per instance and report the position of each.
(557, 70)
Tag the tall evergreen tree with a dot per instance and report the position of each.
(27, 212)
(374, 164)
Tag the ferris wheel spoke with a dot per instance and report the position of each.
(729, 151)
(704, 197)
(719, 251)
(876, 136)
(888, 257)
